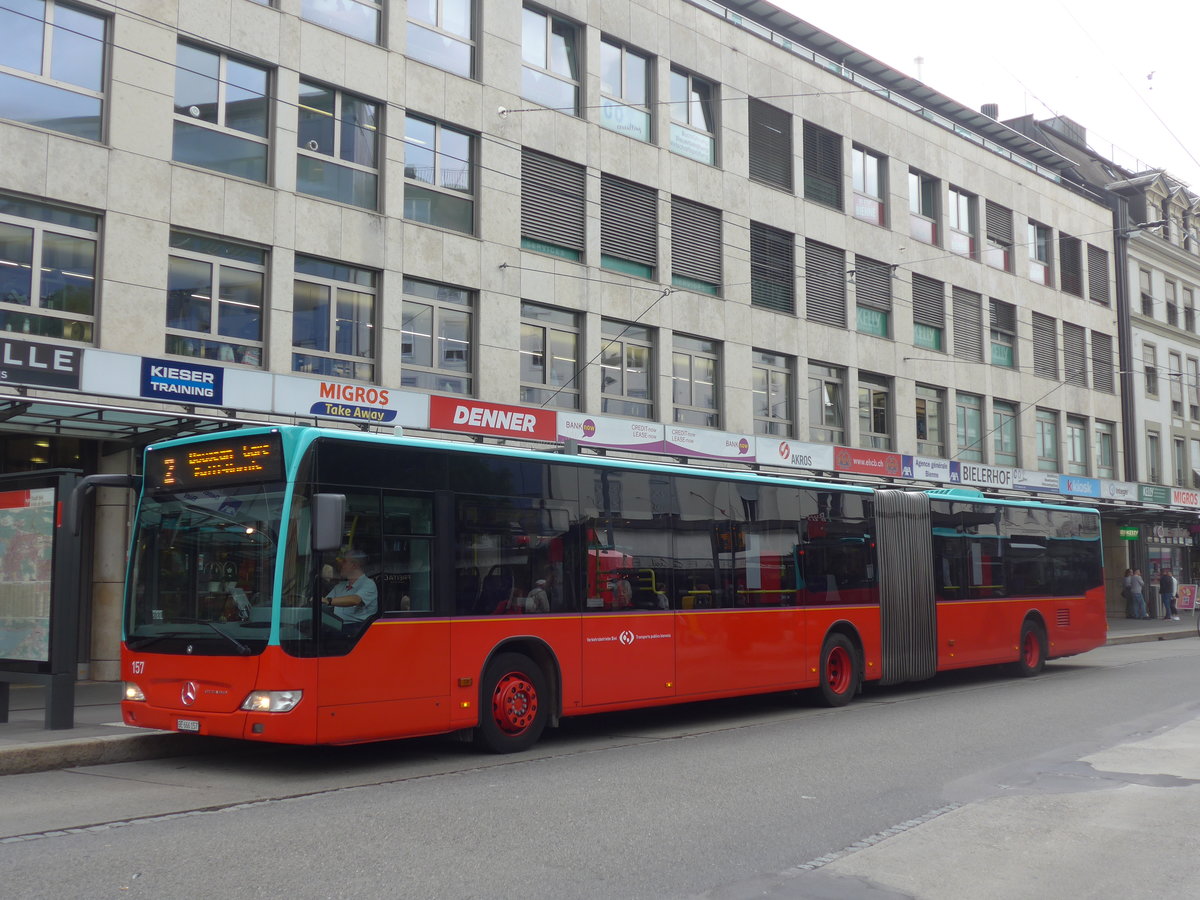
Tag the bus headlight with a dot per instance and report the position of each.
(132, 692)
(272, 701)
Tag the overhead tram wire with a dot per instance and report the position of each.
(483, 136)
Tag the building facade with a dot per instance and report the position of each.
(679, 214)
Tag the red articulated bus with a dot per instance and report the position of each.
(308, 586)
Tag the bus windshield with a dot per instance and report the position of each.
(203, 571)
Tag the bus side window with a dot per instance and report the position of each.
(406, 571)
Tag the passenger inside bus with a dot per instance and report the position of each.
(354, 599)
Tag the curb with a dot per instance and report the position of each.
(1142, 638)
(91, 751)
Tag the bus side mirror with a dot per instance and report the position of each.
(328, 515)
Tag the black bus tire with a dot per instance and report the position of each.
(839, 671)
(1031, 650)
(513, 707)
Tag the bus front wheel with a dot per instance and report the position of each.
(839, 671)
(1031, 650)
(514, 697)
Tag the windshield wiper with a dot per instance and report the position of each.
(242, 648)
(153, 639)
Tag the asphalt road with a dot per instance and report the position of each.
(725, 800)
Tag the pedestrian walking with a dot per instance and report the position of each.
(1137, 587)
(1127, 593)
(1167, 585)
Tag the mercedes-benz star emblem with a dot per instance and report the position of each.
(188, 694)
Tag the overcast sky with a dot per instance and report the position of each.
(1129, 72)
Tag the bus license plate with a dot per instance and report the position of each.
(187, 724)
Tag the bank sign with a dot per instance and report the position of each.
(180, 382)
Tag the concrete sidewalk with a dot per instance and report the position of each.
(99, 735)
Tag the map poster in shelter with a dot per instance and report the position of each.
(26, 563)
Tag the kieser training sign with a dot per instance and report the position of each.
(164, 379)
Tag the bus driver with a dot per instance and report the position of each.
(355, 598)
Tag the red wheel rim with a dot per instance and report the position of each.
(1032, 650)
(514, 703)
(837, 670)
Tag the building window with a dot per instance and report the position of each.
(771, 393)
(1172, 295)
(435, 337)
(1175, 380)
(334, 125)
(1074, 355)
(961, 224)
(874, 411)
(1195, 445)
(869, 181)
(628, 227)
(822, 166)
(1077, 445)
(693, 117)
(1097, 262)
(442, 33)
(929, 312)
(1047, 440)
(968, 324)
(923, 207)
(627, 369)
(624, 90)
(1153, 458)
(333, 320)
(968, 414)
(1004, 433)
(1192, 389)
(1045, 346)
(1070, 265)
(1038, 241)
(770, 145)
(772, 268)
(826, 403)
(1103, 375)
(215, 299)
(872, 296)
(825, 283)
(549, 357)
(696, 251)
(695, 389)
(1189, 310)
(1106, 466)
(1150, 367)
(550, 56)
(1147, 292)
(221, 113)
(47, 270)
(1004, 334)
(1179, 455)
(52, 67)
(439, 186)
(999, 224)
(553, 204)
(356, 18)
(930, 411)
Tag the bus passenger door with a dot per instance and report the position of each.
(628, 657)
(388, 676)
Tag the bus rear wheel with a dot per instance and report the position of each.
(514, 713)
(839, 672)
(1031, 650)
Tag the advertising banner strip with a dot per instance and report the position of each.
(616, 434)
(868, 462)
(709, 444)
(494, 419)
